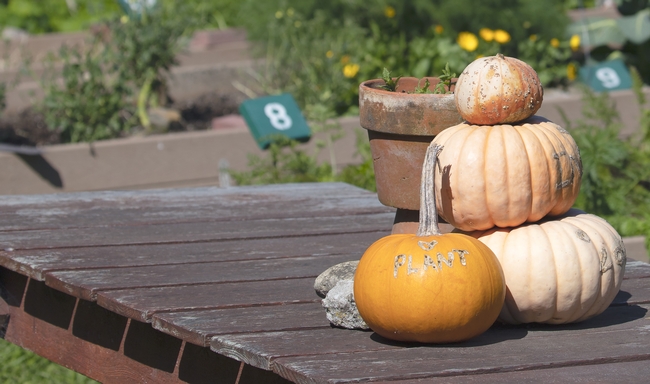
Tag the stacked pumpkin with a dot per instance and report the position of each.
(507, 178)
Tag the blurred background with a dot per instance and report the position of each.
(317, 51)
(100, 71)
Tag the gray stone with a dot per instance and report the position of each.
(328, 279)
(340, 307)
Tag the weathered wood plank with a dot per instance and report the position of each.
(198, 327)
(170, 233)
(624, 372)
(86, 283)
(620, 334)
(633, 291)
(35, 263)
(260, 349)
(116, 208)
(636, 269)
(142, 303)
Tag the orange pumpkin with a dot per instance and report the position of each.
(429, 287)
(498, 90)
(506, 175)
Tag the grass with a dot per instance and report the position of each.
(20, 366)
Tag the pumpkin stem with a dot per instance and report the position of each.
(428, 225)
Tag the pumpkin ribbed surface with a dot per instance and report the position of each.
(432, 289)
(558, 271)
(506, 175)
(498, 90)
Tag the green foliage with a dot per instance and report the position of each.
(40, 16)
(311, 58)
(363, 174)
(116, 78)
(390, 83)
(444, 86)
(321, 51)
(141, 52)
(615, 182)
(24, 367)
(91, 103)
(204, 14)
(286, 163)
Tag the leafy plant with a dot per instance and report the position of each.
(285, 163)
(442, 87)
(390, 83)
(91, 103)
(22, 366)
(141, 51)
(446, 79)
(108, 86)
(362, 174)
(41, 16)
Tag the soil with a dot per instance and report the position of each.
(28, 127)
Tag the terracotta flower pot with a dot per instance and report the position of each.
(400, 127)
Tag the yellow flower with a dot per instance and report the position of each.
(439, 29)
(486, 34)
(345, 59)
(297, 23)
(468, 41)
(389, 12)
(124, 19)
(290, 12)
(501, 36)
(350, 70)
(574, 43)
(532, 37)
(555, 42)
(329, 54)
(278, 14)
(571, 71)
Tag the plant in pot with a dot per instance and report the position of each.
(402, 116)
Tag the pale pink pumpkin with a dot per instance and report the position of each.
(506, 175)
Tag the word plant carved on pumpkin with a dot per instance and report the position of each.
(436, 264)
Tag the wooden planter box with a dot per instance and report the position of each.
(170, 160)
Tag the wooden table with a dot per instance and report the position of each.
(216, 285)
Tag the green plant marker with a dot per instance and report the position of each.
(272, 115)
(611, 75)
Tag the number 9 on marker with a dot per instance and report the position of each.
(272, 115)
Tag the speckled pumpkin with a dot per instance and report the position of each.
(558, 271)
(498, 90)
(429, 287)
(506, 175)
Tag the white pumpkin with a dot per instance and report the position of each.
(560, 270)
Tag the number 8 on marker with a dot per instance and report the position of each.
(277, 115)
